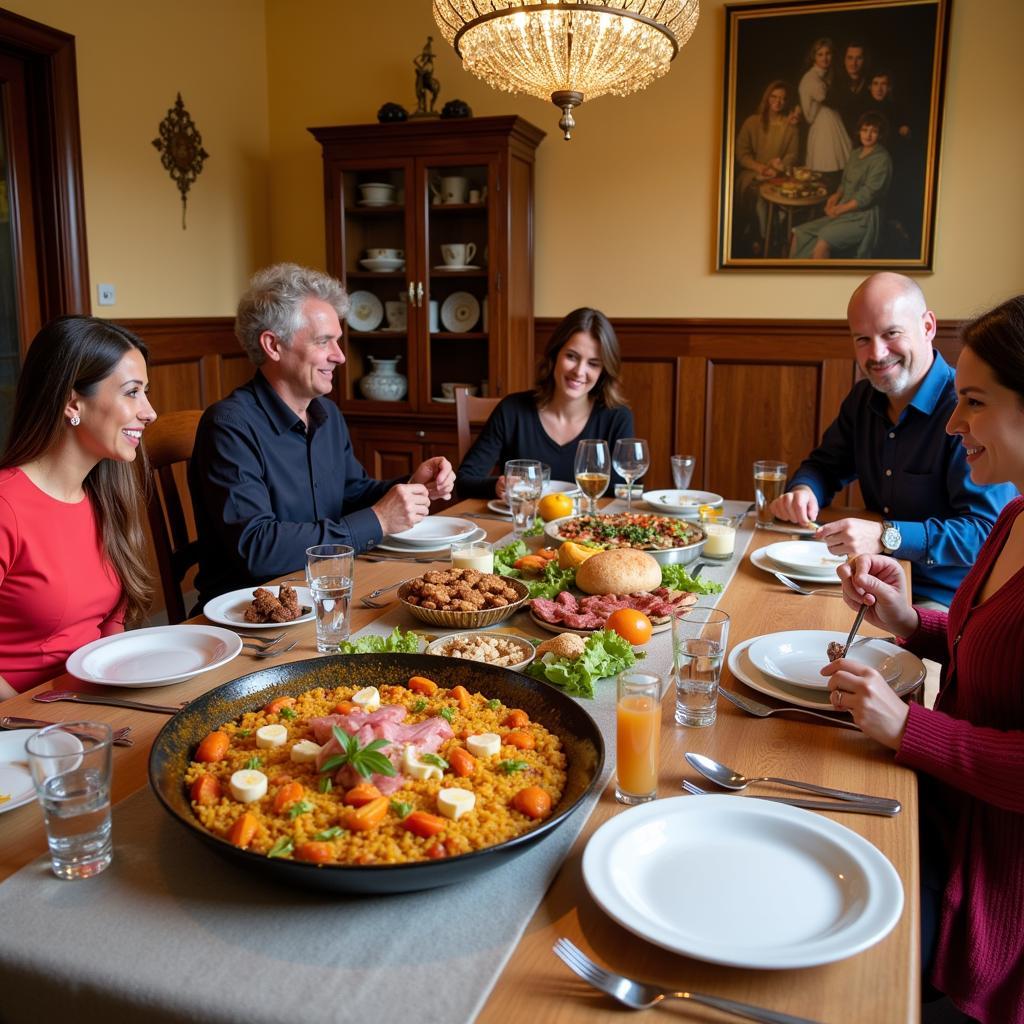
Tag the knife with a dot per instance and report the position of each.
(114, 702)
(796, 531)
(13, 722)
(884, 810)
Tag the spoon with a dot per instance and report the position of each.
(729, 778)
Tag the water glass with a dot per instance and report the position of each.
(592, 469)
(524, 484)
(329, 575)
(769, 484)
(70, 765)
(631, 460)
(699, 642)
(637, 736)
(682, 470)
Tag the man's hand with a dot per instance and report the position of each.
(437, 476)
(403, 506)
(499, 488)
(852, 537)
(796, 506)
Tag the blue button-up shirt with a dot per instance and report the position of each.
(912, 473)
(265, 486)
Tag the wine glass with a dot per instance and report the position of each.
(592, 469)
(524, 482)
(682, 470)
(631, 459)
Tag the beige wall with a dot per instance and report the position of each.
(134, 56)
(627, 211)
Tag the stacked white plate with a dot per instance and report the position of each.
(382, 263)
(435, 533)
(804, 556)
(682, 503)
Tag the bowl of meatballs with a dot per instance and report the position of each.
(462, 598)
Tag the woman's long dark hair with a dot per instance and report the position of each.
(75, 353)
(608, 389)
(997, 339)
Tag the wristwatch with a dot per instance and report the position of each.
(891, 538)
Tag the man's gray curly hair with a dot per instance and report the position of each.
(273, 302)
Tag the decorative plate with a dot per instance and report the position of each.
(366, 312)
(460, 312)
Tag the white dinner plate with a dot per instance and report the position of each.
(458, 266)
(682, 503)
(460, 312)
(798, 655)
(15, 778)
(434, 530)
(365, 312)
(740, 881)
(229, 609)
(747, 672)
(413, 550)
(809, 556)
(762, 561)
(566, 487)
(155, 656)
(501, 507)
(382, 263)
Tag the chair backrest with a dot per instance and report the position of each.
(169, 442)
(470, 410)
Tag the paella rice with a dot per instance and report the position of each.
(361, 776)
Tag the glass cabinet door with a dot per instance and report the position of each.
(459, 272)
(377, 238)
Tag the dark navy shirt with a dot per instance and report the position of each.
(265, 486)
(913, 474)
(514, 431)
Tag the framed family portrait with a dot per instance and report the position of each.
(831, 129)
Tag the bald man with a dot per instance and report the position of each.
(891, 437)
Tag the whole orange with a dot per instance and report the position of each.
(554, 506)
(631, 625)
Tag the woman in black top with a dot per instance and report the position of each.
(578, 395)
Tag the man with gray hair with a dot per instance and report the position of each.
(273, 471)
(890, 436)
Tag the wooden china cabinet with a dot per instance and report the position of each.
(399, 199)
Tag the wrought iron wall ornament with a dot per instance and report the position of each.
(181, 150)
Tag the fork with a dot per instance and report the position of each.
(274, 651)
(368, 602)
(268, 640)
(639, 996)
(755, 707)
(806, 591)
(811, 805)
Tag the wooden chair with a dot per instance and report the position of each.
(470, 411)
(169, 442)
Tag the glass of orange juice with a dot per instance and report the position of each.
(637, 736)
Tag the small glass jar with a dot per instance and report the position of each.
(474, 554)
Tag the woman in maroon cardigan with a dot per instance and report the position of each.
(969, 749)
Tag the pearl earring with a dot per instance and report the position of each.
(75, 420)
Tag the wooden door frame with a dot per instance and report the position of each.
(57, 189)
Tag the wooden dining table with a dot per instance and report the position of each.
(877, 986)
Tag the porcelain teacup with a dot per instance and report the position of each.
(458, 254)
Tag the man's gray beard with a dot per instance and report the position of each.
(896, 386)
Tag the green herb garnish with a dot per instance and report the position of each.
(253, 763)
(448, 714)
(508, 767)
(328, 833)
(494, 704)
(282, 848)
(242, 733)
(366, 760)
(419, 706)
(299, 807)
(325, 785)
(401, 808)
(435, 759)
(287, 713)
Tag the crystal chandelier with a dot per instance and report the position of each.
(568, 50)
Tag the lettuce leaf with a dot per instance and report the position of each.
(605, 654)
(395, 642)
(550, 585)
(675, 577)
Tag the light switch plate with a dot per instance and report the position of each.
(107, 294)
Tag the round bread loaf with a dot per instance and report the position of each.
(619, 571)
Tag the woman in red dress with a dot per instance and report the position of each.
(72, 551)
